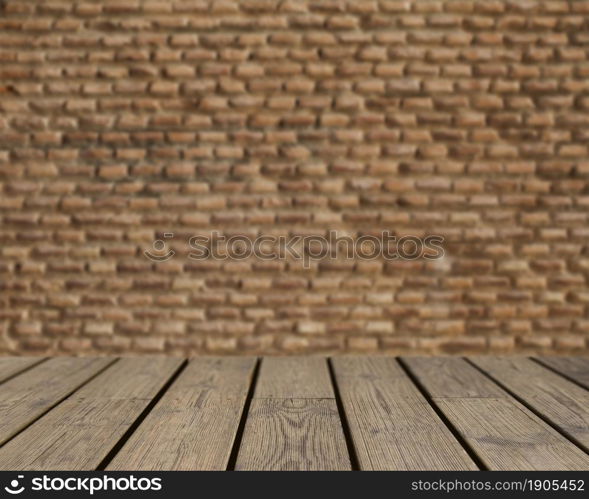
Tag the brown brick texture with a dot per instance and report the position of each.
(124, 120)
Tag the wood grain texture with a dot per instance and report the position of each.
(392, 425)
(71, 413)
(452, 377)
(194, 424)
(26, 397)
(79, 433)
(293, 422)
(503, 433)
(563, 403)
(294, 378)
(11, 366)
(576, 368)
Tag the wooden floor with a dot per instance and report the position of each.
(303, 413)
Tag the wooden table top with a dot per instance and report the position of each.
(294, 413)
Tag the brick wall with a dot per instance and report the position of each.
(124, 120)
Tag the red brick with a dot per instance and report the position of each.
(125, 121)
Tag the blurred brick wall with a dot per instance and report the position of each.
(121, 120)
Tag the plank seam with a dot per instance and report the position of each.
(478, 461)
(560, 373)
(353, 455)
(544, 418)
(243, 419)
(125, 437)
(58, 402)
(24, 370)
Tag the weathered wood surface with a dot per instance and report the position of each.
(503, 433)
(11, 366)
(575, 368)
(294, 413)
(26, 397)
(393, 426)
(79, 433)
(293, 422)
(194, 424)
(556, 399)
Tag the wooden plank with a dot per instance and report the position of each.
(11, 366)
(294, 378)
(449, 377)
(79, 433)
(575, 368)
(24, 398)
(392, 425)
(293, 422)
(193, 426)
(563, 403)
(503, 433)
